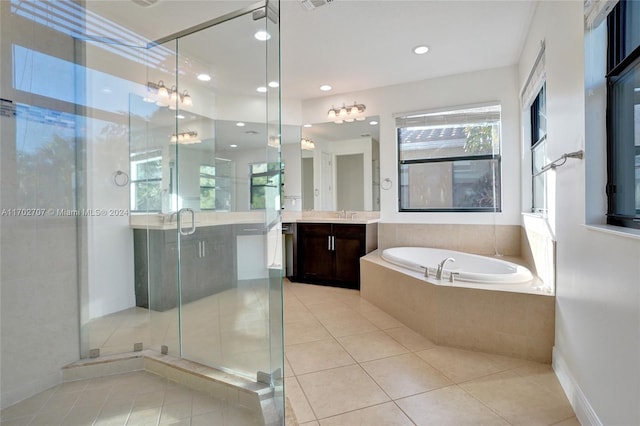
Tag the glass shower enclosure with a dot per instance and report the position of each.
(202, 180)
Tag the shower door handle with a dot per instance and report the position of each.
(187, 231)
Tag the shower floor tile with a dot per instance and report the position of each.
(132, 399)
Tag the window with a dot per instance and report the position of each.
(623, 115)
(263, 176)
(146, 182)
(539, 151)
(450, 160)
(207, 187)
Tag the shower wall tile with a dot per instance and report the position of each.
(477, 239)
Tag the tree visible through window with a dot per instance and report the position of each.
(207, 187)
(450, 160)
(262, 177)
(146, 182)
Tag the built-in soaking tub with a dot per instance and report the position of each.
(493, 305)
(464, 266)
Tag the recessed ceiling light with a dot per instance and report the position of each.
(373, 123)
(420, 50)
(262, 89)
(240, 124)
(308, 125)
(273, 84)
(204, 77)
(233, 145)
(262, 35)
(325, 87)
(180, 116)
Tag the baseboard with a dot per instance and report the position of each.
(584, 411)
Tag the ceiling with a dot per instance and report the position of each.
(352, 45)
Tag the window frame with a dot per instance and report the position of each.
(619, 64)
(267, 174)
(538, 141)
(403, 189)
(133, 183)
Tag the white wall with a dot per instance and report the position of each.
(495, 85)
(597, 346)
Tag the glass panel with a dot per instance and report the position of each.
(450, 185)
(449, 134)
(232, 163)
(539, 159)
(626, 142)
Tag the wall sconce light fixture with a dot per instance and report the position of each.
(307, 144)
(159, 94)
(347, 113)
(185, 138)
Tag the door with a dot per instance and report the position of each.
(316, 251)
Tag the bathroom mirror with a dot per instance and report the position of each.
(220, 161)
(340, 166)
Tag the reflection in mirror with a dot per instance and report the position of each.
(220, 167)
(341, 166)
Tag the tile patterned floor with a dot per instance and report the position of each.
(132, 399)
(349, 363)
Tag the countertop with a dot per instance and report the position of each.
(160, 221)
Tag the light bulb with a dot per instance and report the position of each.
(343, 111)
(354, 110)
(332, 114)
(186, 99)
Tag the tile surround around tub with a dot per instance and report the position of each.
(476, 239)
(505, 323)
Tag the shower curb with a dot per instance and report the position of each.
(257, 397)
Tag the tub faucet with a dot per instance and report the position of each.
(441, 267)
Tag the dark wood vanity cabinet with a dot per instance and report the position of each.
(207, 260)
(329, 253)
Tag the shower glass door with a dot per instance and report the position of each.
(205, 186)
(226, 165)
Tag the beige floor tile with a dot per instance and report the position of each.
(236, 416)
(460, 365)
(410, 339)
(144, 417)
(519, 399)
(20, 421)
(28, 407)
(298, 400)
(175, 411)
(316, 356)
(288, 370)
(381, 319)
(369, 346)
(387, 414)
(208, 419)
(572, 421)
(305, 331)
(336, 391)
(449, 406)
(347, 323)
(328, 309)
(313, 423)
(404, 375)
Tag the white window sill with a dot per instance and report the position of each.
(615, 230)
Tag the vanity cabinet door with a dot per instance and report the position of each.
(330, 253)
(315, 257)
(349, 247)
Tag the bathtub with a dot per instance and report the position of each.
(470, 267)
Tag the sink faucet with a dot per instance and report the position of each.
(441, 267)
(342, 214)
